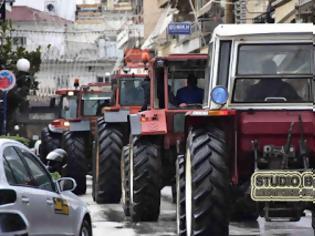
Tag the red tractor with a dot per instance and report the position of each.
(246, 149)
(158, 134)
(131, 85)
(78, 139)
(74, 131)
(51, 136)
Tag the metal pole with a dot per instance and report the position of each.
(5, 108)
(229, 12)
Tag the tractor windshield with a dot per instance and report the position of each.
(274, 73)
(134, 91)
(69, 107)
(93, 102)
(186, 84)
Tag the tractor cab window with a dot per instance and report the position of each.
(69, 107)
(186, 84)
(274, 74)
(134, 91)
(94, 102)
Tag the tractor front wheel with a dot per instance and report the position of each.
(180, 196)
(107, 181)
(50, 141)
(125, 180)
(75, 144)
(145, 181)
(207, 183)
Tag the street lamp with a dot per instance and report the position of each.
(21, 65)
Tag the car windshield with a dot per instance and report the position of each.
(69, 107)
(93, 102)
(134, 91)
(274, 73)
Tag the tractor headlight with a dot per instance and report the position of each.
(219, 95)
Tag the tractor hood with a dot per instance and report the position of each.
(271, 127)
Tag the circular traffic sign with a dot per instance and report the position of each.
(7, 80)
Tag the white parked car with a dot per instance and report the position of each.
(31, 203)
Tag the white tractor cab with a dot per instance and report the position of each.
(256, 128)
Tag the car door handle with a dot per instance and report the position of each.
(50, 202)
(25, 200)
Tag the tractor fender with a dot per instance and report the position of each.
(202, 118)
(120, 116)
(77, 126)
(151, 122)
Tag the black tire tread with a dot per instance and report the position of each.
(210, 182)
(74, 143)
(180, 184)
(125, 179)
(110, 143)
(146, 181)
(50, 141)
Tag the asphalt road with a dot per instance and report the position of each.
(110, 220)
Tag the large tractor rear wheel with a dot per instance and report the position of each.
(145, 181)
(207, 183)
(109, 144)
(75, 144)
(125, 180)
(180, 196)
(50, 141)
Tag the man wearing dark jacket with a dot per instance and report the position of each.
(271, 89)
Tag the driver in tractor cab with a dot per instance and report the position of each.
(271, 88)
(191, 94)
(105, 103)
(132, 95)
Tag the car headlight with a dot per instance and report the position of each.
(219, 95)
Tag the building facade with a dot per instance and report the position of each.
(69, 50)
(202, 16)
(61, 8)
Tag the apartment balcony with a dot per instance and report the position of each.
(123, 6)
(130, 33)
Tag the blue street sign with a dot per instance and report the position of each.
(176, 28)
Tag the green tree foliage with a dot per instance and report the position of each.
(10, 54)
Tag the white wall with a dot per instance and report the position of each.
(36, 4)
(64, 8)
(88, 1)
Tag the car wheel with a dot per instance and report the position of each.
(86, 228)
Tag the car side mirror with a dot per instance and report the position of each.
(66, 184)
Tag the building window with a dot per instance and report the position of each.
(100, 79)
(19, 41)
